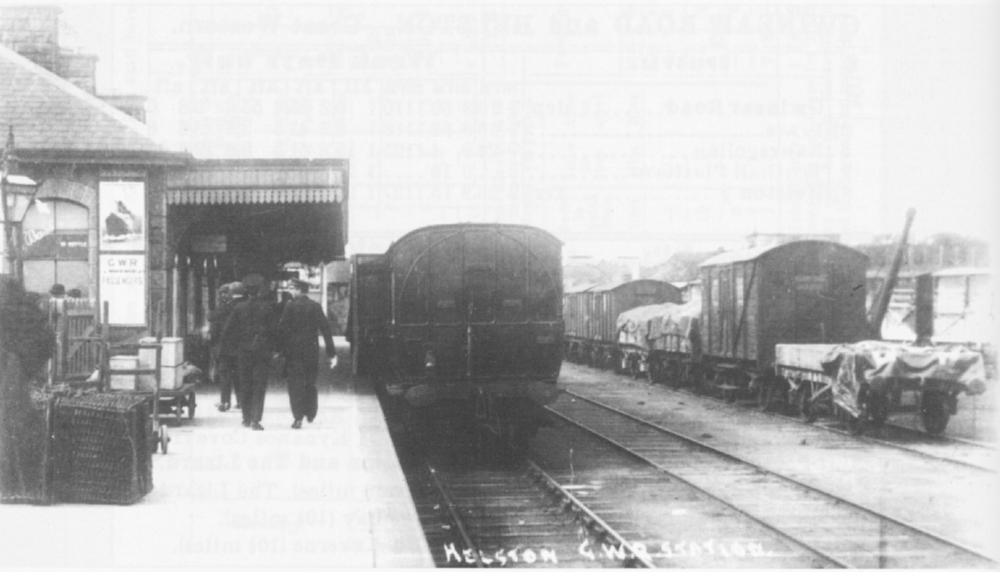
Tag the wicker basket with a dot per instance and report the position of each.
(101, 449)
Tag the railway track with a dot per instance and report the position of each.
(966, 452)
(841, 533)
(975, 454)
(488, 516)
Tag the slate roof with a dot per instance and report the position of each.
(53, 118)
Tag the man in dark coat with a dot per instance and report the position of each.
(26, 344)
(225, 354)
(302, 322)
(252, 330)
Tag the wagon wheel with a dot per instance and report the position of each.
(867, 400)
(653, 369)
(704, 381)
(733, 381)
(934, 412)
(634, 368)
(805, 406)
(191, 405)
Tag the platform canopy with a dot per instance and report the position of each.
(272, 211)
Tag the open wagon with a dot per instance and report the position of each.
(867, 380)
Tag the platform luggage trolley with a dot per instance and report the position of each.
(123, 374)
(155, 371)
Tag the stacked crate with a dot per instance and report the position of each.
(171, 359)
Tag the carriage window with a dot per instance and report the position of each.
(56, 245)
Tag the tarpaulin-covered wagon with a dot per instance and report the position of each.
(866, 380)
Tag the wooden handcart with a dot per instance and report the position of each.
(177, 402)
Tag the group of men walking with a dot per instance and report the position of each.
(248, 332)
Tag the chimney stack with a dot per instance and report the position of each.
(33, 32)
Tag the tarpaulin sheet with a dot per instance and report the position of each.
(876, 363)
(644, 325)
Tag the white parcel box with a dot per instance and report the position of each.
(170, 378)
(123, 381)
(171, 355)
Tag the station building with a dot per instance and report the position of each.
(97, 205)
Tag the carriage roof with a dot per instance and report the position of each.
(750, 254)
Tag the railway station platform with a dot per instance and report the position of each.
(329, 495)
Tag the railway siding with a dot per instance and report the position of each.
(956, 502)
(677, 525)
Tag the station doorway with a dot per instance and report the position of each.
(227, 219)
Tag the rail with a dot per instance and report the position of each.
(971, 554)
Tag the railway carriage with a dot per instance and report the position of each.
(803, 292)
(462, 326)
(592, 318)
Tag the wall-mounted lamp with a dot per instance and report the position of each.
(18, 192)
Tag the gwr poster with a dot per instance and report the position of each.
(123, 286)
(122, 212)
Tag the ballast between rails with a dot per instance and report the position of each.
(976, 555)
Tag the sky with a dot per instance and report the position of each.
(625, 129)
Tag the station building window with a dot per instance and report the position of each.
(55, 241)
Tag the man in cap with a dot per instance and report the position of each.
(302, 322)
(252, 328)
(225, 354)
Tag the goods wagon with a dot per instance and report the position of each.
(592, 318)
(461, 325)
(804, 292)
(662, 340)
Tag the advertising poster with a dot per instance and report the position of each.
(122, 213)
(123, 286)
